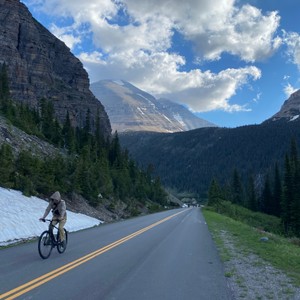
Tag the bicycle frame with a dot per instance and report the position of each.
(48, 240)
(50, 228)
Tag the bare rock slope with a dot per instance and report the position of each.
(41, 66)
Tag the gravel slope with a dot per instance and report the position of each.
(250, 277)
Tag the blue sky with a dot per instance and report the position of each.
(231, 62)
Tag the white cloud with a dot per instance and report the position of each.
(289, 89)
(257, 98)
(244, 32)
(210, 91)
(213, 26)
(133, 41)
(158, 74)
(66, 35)
(292, 40)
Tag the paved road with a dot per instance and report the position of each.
(168, 255)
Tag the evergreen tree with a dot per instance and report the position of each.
(69, 135)
(251, 195)
(267, 197)
(95, 166)
(6, 166)
(277, 193)
(115, 151)
(237, 189)
(295, 201)
(214, 194)
(98, 135)
(49, 129)
(288, 195)
(28, 168)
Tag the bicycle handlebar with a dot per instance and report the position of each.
(44, 220)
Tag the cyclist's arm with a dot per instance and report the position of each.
(63, 210)
(46, 212)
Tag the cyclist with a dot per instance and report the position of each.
(58, 207)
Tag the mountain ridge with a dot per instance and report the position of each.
(132, 109)
(187, 161)
(289, 111)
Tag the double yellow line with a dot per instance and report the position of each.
(22, 289)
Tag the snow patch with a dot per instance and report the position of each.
(19, 217)
(149, 101)
(166, 118)
(119, 82)
(140, 110)
(179, 119)
(294, 118)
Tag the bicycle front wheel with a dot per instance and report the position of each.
(45, 245)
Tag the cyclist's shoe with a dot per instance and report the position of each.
(62, 243)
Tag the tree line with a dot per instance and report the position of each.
(275, 193)
(88, 164)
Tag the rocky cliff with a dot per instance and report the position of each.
(290, 110)
(41, 66)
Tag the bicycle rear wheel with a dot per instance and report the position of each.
(45, 245)
(61, 247)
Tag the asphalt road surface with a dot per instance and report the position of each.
(168, 255)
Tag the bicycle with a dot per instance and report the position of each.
(49, 239)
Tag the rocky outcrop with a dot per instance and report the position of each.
(290, 110)
(21, 141)
(41, 66)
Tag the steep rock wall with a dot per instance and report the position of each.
(41, 66)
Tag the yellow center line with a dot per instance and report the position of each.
(22, 289)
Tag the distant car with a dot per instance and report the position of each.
(184, 205)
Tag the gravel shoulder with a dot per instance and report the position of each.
(250, 277)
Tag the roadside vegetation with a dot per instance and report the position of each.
(250, 237)
(276, 195)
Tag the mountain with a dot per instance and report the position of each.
(187, 161)
(290, 109)
(131, 109)
(41, 66)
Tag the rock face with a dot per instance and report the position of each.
(290, 110)
(41, 66)
(21, 141)
(131, 109)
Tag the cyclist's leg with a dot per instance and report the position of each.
(51, 226)
(61, 229)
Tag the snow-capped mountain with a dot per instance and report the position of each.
(290, 110)
(131, 109)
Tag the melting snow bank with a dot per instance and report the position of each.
(19, 217)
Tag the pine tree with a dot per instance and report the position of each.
(251, 194)
(288, 195)
(214, 194)
(6, 166)
(277, 193)
(48, 129)
(267, 196)
(115, 156)
(295, 201)
(237, 189)
(69, 135)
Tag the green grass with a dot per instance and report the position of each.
(278, 251)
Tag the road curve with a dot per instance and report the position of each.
(168, 255)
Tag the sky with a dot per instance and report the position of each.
(231, 62)
(19, 217)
